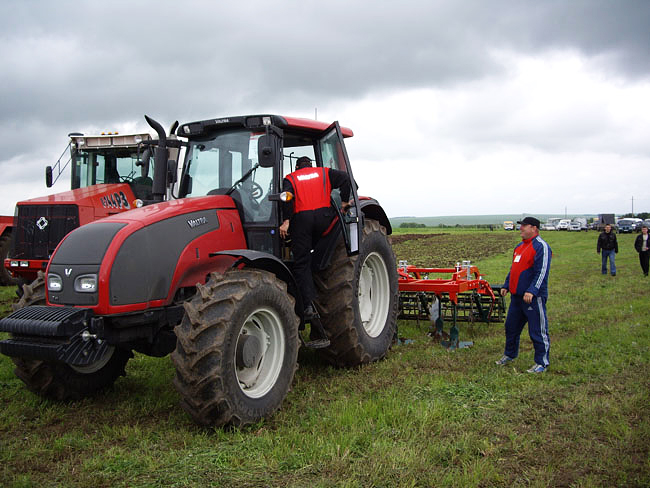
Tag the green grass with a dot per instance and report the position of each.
(422, 417)
(7, 294)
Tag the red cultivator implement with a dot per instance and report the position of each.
(457, 294)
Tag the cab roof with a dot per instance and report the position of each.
(307, 126)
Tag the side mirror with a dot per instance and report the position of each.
(48, 176)
(144, 163)
(186, 185)
(171, 171)
(267, 150)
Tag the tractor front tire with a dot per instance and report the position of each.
(5, 277)
(32, 293)
(64, 382)
(236, 349)
(60, 381)
(358, 299)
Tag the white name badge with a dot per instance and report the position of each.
(517, 258)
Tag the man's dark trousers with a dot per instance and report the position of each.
(534, 313)
(306, 229)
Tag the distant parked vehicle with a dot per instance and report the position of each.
(508, 225)
(548, 226)
(564, 224)
(574, 226)
(604, 219)
(581, 223)
(629, 225)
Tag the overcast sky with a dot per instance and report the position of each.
(458, 107)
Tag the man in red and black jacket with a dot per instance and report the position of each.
(527, 283)
(308, 214)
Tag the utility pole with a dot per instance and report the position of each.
(632, 205)
(315, 113)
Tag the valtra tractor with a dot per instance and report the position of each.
(206, 277)
(108, 172)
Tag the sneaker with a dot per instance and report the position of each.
(504, 359)
(537, 368)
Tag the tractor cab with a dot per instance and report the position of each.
(248, 157)
(110, 158)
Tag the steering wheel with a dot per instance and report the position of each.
(127, 178)
(256, 190)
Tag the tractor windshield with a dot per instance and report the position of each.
(109, 165)
(214, 165)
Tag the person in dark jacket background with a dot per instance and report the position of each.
(609, 246)
(642, 246)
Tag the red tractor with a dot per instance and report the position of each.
(108, 173)
(206, 277)
(6, 227)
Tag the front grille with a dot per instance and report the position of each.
(40, 228)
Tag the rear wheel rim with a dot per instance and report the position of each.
(265, 326)
(374, 294)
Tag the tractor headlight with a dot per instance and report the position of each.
(86, 283)
(54, 282)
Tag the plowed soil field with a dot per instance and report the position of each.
(444, 250)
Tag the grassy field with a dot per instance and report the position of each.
(422, 417)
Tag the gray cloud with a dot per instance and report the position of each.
(72, 65)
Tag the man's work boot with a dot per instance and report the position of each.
(317, 336)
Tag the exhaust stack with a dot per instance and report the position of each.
(161, 154)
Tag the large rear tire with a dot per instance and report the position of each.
(358, 299)
(236, 349)
(5, 277)
(60, 381)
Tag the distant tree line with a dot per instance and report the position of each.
(415, 225)
(411, 225)
(642, 215)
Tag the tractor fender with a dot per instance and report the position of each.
(267, 262)
(372, 210)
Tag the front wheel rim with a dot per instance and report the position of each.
(265, 326)
(374, 294)
(97, 365)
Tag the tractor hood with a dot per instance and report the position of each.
(138, 259)
(94, 202)
(89, 196)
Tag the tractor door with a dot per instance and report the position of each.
(332, 154)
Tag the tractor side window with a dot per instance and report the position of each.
(331, 152)
(96, 170)
(83, 170)
(332, 157)
(204, 169)
(292, 154)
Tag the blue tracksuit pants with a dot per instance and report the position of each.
(534, 313)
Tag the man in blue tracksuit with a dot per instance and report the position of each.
(527, 282)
